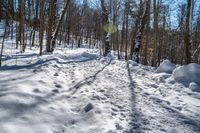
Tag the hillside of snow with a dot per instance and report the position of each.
(78, 91)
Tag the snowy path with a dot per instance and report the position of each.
(51, 95)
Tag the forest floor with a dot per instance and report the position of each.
(78, 91)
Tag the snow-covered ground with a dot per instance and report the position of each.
(77, 91)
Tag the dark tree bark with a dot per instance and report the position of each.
(51, 19)
(155, 52)
(41, 30)
(22, 24)
(54, 36)
(127, 13)
(187, 33)
(0, 9)
(2, 46)
(147, 31)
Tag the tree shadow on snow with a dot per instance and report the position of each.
(17, 109)
(187, 121)
(15, 104)
(76, 87)
(18, 56)
(40, 63)
(19, 105)
(136, 123)
(87, 80)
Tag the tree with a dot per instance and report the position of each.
(51, 22)
(138, 39)
(105, 22)
(22, 24)
(147, 31)
(41, 28)
(127, 8)
(55, 34)
(155, 23)
(187, 32)
(2, 46)
(0, 9)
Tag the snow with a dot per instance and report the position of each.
(166, 67)
(78, 91)
(187, 74)
(194, 87)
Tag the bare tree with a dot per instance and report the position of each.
(147, 31)
(155, 22)
(51, 22)
(187, 33)
(138, 39)
(41, 30)
(105, 21)
(22, 24)
(54, 36)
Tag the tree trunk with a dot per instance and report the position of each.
(105, 21)
(41, 31)
(126, 46)
(2, 46)
(51, 19)
(187, 33)
(36, 13)
(136, 28)
(0, 10)
(122, 33)
(54, 36)
(22, 25)
(17, 35)
(155, 12)
(138, 39)
(147, 31)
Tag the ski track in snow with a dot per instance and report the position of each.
(50, 95)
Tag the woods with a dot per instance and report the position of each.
(145, 31)
(99, 66)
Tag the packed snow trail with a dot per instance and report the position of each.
(76, 91)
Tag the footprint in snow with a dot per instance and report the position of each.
(42, 81)
(58, 86)
(114, 109)
(55, 91)
(52, 108)
(36, 90)
(114, 113)
(56, 74)
(118, 126)
(102, 90)
(108, 96)
(103, 98)
(96, 97)
(70, 123)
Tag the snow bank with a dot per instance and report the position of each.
(187, 74)
(166, 67)
(89, 55)
(194, 87)
(133, 63)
